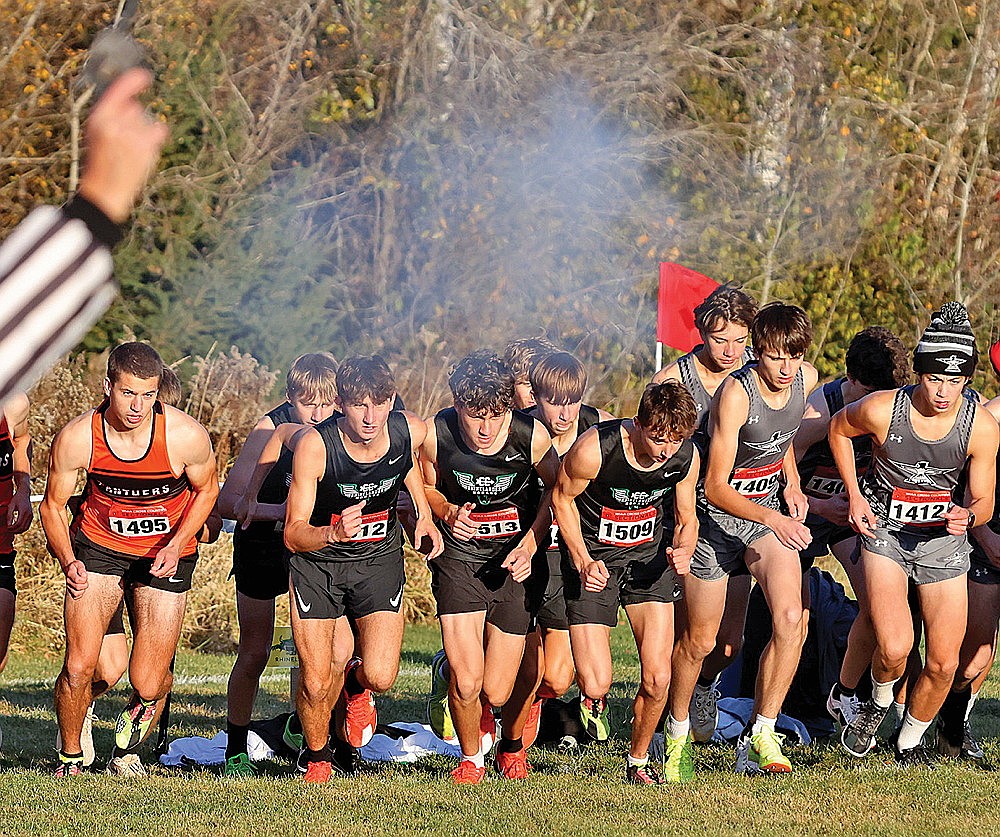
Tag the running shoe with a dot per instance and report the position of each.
(678, 766)
(467, 773)
(69, 766)
(530, 732)
(127, 765)
(487, 729)
(134, 723)
(704, 712)
(760, 752)
(594, 715)
(861, 736)
(86, 737)
(643, 774)
(842, 708)
(239, 767)
(919, 756)
(293, 740)
(362, 717)
(513, 765)
(318, 772)
(969, 748)
(345, 757)
(438, 713)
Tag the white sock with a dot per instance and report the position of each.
(900, 710)
(479, 760)
(968, 709)
(911, 732)
(637, 762)
(882, 692)
(678, 729)
(761, 723)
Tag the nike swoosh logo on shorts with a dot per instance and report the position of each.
(395, 600)
(305, 608)
(173, 580)
(394, 461)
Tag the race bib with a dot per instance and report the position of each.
(918, 508)
(502, 523)
(374, 527)
(621, 527)
(756, 483)
(139, 522)
(825, 482)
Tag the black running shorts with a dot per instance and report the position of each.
(260, 566)
(331, 589)
(545, 591)
(472, 587)
(631, 582)
(133, 570)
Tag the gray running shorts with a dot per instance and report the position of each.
(722, 542)
(924, 557)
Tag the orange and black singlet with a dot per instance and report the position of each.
(133, 506)
(6, 483)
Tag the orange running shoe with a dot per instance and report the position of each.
(513, 765)
(318, 772)
(531, 725)
(362, 718)
(467, 773)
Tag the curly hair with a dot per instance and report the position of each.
(482, 383)
(878, 359)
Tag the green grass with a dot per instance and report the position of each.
(579, 795)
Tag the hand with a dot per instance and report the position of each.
(861, 517)
(797, 502)
(424, 528)
(518, 563)
(76, 579)
(835, 509)
(792, 534)
(165, 562)
(19, 513)
(349, 524)
(463, 527)
(957, 520)
(594, 576)
(679, 558)
(122, 146)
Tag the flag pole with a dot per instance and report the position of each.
(659, 356)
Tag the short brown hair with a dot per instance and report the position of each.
(170, 387)
(482, 383)
(139, 359)
(668, 410)
(312, 376)
(878, 359)
(725, 305)
(359, 377)
(522, 354)
(560, 377)
(781, 327)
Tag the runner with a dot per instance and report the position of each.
(520, 356)
(912, 525)
(609, 501)
(258, 545)
(558, 382)
(876, 360)
(743, 526)
(347, 555)
(723, 320)
(478, 462)
(151, 485)
(15, 505)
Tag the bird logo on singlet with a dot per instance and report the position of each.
(488, 486)
(772, 446)
(920, 473)
(637, 499)
(366, 490)
(954, 363)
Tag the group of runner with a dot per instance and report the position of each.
(539, 517)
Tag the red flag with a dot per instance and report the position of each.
(681, 291)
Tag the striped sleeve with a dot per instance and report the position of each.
(55, 281)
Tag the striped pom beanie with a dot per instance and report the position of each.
(947, 346)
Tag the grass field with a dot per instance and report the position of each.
(579, 795)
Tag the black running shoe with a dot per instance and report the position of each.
(950, 746)
(919, 756)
